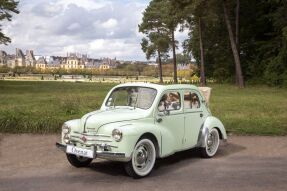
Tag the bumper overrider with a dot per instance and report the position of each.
(99, 143)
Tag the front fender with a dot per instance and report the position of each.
(209, 123)
(74, 125)
(132, 131)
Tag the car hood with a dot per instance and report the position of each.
(94, 120)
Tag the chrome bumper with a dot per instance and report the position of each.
(114, 156)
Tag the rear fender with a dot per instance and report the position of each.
(209, 123)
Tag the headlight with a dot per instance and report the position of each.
(66, 129)
(66, 139)
(117, 135)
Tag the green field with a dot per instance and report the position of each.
(42, 107)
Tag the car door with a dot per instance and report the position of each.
(193, 117)
(170, 119)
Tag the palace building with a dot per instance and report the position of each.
(71, 61)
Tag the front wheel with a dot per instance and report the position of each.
(211, 144)
(78, 161)
(143, 159)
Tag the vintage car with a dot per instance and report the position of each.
(140, 122)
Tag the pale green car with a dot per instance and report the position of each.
(140, 122)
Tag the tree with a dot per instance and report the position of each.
(253, 39)
(205, 20)
(183, 58)
(202, 73)
(237, 13)
(235, 52)
(7, 8)
(156, 41)
(139, 67)
(157, 44)
(164, 19)
(171, 18)
(237, 17)
(275, 58)
(194, 14)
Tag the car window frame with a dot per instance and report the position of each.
(193, 110)
(154, 99)
(171, 112)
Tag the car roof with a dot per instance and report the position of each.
(158, 86)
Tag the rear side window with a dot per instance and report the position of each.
(191, 100)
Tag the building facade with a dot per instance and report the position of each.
(3, 58)
(71, 61)
(30, 59)
(41, 63)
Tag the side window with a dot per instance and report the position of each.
(170, 101)
(191, 100)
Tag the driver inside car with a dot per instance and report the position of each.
(173, 101)
(163, 103)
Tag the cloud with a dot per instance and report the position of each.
(46, 10)
(74, 26)
(86, 4)
(101, 28)
(111, 23)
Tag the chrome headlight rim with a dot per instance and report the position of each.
(66, 129)
(117, 135)
(66, 139)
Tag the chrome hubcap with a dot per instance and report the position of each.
(141, 156)
(212, 142)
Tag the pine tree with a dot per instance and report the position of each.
(7, 8)
(156, 41)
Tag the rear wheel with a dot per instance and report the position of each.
(143, 159)
(78, 161)
(211, 144)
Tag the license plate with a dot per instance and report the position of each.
(80, 151)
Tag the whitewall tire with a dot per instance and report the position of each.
(211, 144)
(142, 160)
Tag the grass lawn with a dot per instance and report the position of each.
(42, 107)
(257, 110)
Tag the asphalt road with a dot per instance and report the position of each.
(32, 162)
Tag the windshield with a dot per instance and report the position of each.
(137, 97)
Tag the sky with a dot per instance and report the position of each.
(99, 28)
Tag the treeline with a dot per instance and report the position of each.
(137, 69)
(231, 40)
(122, 70)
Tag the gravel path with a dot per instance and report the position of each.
(32, 162)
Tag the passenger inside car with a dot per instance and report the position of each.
(191, 101)
(169, 101)
(163, 103)
(194, 101)
(174, 101)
